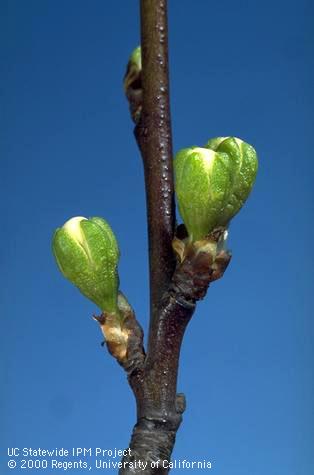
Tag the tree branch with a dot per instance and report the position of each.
(175, 284)
(153, 134)
(159, 408)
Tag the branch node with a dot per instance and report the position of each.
(123, 335)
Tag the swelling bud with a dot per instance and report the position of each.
(133, 83)
(134, 67)
(213, 183)
(202, 185)
(87, 254)
(243, 169)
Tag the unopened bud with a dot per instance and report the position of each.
(133, 83)
(87, 254)
(213, 183)
(134, 67)
(202, 188)
(243, 166)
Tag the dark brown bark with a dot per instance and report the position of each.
(153, 134)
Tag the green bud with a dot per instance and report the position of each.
(202, 187)
(243, 166)
(213, 183)
(133, 84)
(136, 57)
(134, 67)
(87, 254)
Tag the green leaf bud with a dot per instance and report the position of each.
(212, 183)
(87, 254)
(133, 84)
(243, 166)
(202, 183)
(134, 67)
(136, 57)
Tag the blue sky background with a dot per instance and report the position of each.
(237, 68)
